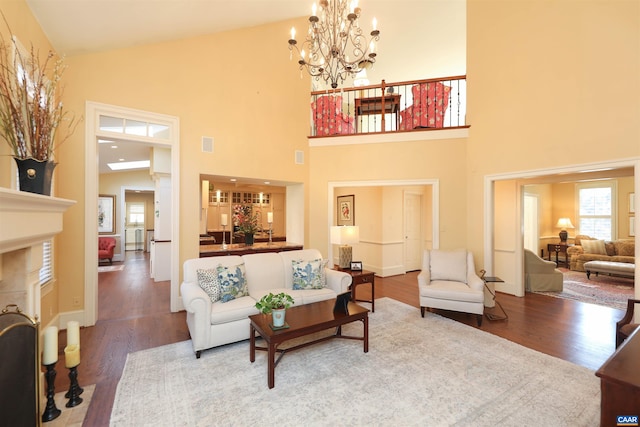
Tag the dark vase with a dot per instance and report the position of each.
(35, 175)
(248, 239)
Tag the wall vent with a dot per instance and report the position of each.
(207, 144)
(299, 157)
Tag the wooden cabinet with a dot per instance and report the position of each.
(620, 382)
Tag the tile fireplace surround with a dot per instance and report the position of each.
(26, 220)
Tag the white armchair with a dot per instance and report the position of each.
(448, 281)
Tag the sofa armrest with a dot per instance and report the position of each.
(339, 281)
(575, 250)
(195, 300)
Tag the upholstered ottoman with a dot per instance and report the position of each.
(618, 268)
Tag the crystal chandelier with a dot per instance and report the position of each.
(335, 46)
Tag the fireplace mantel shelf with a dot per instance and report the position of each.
(27, 219)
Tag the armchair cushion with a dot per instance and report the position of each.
(430, 102)
(449, 265)
(328, 117)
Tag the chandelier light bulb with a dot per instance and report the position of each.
(375, 24)
(314, 10)
(293, 33)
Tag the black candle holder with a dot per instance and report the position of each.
(74, 389)
(51, 412)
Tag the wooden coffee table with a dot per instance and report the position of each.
(304, 320)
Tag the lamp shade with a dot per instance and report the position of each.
(345, 235)
(564, 223)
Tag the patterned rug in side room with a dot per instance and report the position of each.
(610, 291)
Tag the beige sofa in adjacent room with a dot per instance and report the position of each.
(588, 249)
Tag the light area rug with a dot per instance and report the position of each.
(419, 371)
(108, 268)
(609, 291)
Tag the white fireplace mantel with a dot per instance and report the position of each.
(27, 219)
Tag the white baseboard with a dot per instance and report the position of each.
(65, 317)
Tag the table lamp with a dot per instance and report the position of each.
(564, 223)
(344, 236)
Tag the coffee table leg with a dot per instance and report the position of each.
(252, 344)
(366, 334)
(271, 365)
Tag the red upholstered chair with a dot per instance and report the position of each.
(106, 245)
(328, 117)
(430, 102)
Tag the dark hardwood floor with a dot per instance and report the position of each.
(134, 315)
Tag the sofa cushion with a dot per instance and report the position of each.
(233, 283)
(449, 265)
(236, 309)
(309, 274)
(208, 281)
(595, 247)
(625, 247)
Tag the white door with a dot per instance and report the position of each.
(412, 232)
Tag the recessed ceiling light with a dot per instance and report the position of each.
(267, 182)
(114, 146)
(233, 180)
(142, 164)
(121, 160)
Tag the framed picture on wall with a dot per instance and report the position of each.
(346, 210)
(632, 226)
(106, 214)
(632, 206)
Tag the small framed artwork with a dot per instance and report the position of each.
(346, 210)
(632, 226)
(632, 206)
(356, 266)
(106, 214)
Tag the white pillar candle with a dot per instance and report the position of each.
(270, 217)
(50, 353)
(73, 333)
(223, 219)
(72, 356)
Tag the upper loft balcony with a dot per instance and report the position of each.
(401, 108)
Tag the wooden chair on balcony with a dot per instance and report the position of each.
(328, 117)
(430, 102)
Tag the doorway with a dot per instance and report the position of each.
(156, 130)
(412, 231)
(530, 222)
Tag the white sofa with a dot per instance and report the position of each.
(214, 324)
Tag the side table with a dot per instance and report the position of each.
(493, 280)
(360, 278)
(559, 248)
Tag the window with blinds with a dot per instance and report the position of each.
(597, 207)
(46, 272)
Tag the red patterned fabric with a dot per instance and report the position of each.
(430, 102)
(328, 117)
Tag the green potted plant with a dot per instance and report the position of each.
(276, 305)
(31, 112)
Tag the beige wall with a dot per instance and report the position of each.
(542, 93)
(549, 84)
(26, 28)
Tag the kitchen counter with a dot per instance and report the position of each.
(242, 249)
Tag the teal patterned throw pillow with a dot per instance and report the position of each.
(208, 281)
(308, 274)
(233, 283)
